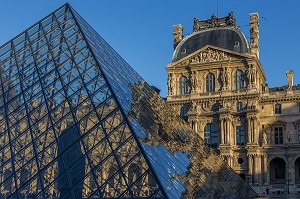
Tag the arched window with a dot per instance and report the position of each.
(183, 85)
(211, 135)
(239, 79)
(210, 82)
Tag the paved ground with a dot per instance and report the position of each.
(283, 196)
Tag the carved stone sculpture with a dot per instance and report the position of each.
(265, 139)
(251, 74)
(225, 78)
(290, 76)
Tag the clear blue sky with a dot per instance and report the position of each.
(141, 30)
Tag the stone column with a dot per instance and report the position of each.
(228, 131)
(259, 169)
(196, 126)
(249, 130)
(250, 168)
(265, 171)
(222, 130)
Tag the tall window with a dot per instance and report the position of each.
(277, 108)
(240, 135)
(278, 135)
(211, 135)
(239, 106)
(239, 79)
(183, 85)
(183, 112)
(210, 82)
(299, 107)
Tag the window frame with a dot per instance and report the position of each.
(183, 85)
(210, 82)
(239, 107)
(239, 79)
(240, 135)
(278, 135)
(277, 108)
(211, 135)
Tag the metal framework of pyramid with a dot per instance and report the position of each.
(76, 121)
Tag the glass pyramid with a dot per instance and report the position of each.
(76, 121)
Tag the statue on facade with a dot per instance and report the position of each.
(290, 76)
(231, 20)
(289, 137)
(265, 139)
(196, 82)
(251, 74)
(170, 84)
(225, 77)
(196, 26)
(213, 21)
(254, 35)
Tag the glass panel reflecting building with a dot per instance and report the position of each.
(76, 121)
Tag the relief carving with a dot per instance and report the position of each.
(209, 56)
(196, 82)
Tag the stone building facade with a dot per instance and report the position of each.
(217, 83)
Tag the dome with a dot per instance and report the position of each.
(227, 38)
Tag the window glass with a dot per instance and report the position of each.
(240, 135)
(278, 135)
(239, 107)
(278, 109)
(239, 79)
(183, 85)
(211, 135)
(210, 82)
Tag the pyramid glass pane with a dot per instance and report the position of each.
(76, 121)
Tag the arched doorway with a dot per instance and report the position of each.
(277, 171)
(297, 171)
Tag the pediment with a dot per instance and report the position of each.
(209, 54)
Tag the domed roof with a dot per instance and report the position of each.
(225, 37)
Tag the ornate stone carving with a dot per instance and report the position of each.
(207, 106)
(265, 139)
(171, 84)
(178, 34)
(209, 55)
(254, 31)
(251, 75)
(214, 22)
(290, 76)
(225, 78)
(196, 82)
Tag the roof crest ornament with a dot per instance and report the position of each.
(214, 22)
